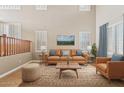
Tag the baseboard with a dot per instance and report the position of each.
(13, 70)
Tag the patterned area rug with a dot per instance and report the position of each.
(87, 78)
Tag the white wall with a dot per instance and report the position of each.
(107, 13)
(56, 20)
(9, 63)
(61, 20)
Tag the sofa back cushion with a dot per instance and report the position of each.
(116, 57)
(79, 53)
(58, 52)
(65, 52)
(73, 52)
(52, 52)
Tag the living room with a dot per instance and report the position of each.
(61, 30)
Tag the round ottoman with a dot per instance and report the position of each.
(31, 72)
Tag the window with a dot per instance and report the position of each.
(11, 29)
(84, 40)
(3, 28)
(10, 7)
(115, 39)
(41, 7)
(84, 7)
(111, 41)
(41, 40)
(15, 30)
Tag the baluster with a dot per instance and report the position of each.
(4, 44)
(11, 46)
(0, 46)
(14, 46)
(7, 46)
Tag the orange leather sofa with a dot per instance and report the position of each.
(110, 69)
(72, 56)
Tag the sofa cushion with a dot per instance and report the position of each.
(64, 58)
(79, 53)
(65, 52)
(53, 58)
(78, 58)
(102, 66)
(117, 57)
(52, 52)
(58, 52)
(73, 52)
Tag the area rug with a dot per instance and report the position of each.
(87, 78)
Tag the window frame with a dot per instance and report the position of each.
(116, 37)
(41, 7)
(15, 31)
(10, 7)
(36, 39)
(89, 38)
(84, 8)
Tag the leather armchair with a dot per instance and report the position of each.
(110, 69)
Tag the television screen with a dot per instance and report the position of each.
(65, 39)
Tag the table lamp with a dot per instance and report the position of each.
(43, 49)
(89, 48)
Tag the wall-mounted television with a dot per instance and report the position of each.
(65, 40)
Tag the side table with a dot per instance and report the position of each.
(43, 58)
(91, 59)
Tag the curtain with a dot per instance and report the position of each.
(103, 41)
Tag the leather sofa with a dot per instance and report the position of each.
(72, 57)
(110, 69)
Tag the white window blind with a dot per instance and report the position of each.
(41, 40)
(41, 7)
(84, 40)
(15, 30)
(111, 41)
(3, 29)
(10, 7)
(115, 39)
(11, 29)
(84, 7)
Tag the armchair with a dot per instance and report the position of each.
(110, 69)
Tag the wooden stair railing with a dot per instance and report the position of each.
(12, 46)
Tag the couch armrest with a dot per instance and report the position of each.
(102, 59)
(86, 56)
(115, 69)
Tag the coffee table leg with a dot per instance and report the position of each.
(76, 72)
(60, 74)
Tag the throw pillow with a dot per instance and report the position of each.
(52, 53)
(79, 53)
(116, 57)
(65, 52)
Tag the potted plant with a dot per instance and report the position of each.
(94, 50)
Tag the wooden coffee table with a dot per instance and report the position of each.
(64, 66)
